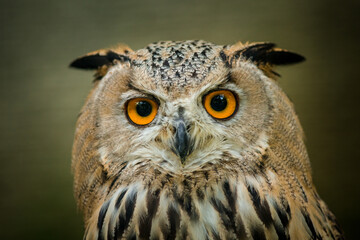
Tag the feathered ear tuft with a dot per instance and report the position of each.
(265, 53)
(96, 60)
(102, 59)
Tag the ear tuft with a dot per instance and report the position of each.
(90, 62)
(96, 60)
(265, 53)
(283, 57)
(102, 59)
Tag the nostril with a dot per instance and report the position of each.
(173, 129)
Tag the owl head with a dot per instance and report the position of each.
(186, 106)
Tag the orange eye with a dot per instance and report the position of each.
(141, 111)
(220, 104)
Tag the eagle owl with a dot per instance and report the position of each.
(192, 140)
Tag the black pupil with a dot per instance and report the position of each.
(143, 108)
(218, 103)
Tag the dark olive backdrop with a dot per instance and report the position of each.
(40, 96)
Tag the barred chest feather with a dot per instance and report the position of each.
(246, 207)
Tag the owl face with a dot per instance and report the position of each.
(179, 106)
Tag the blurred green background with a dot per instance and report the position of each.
(41, 97)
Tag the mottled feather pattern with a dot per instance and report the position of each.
(238, 208)
(246, 177)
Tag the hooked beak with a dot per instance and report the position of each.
(182, 140)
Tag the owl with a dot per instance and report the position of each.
(193, 140)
